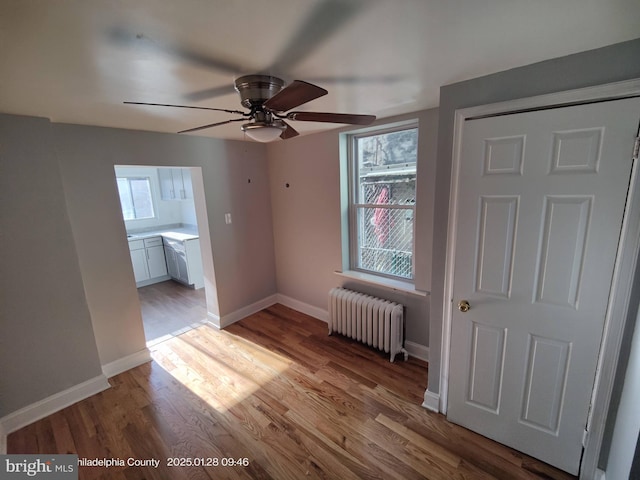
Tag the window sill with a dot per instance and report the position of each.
(390, 283)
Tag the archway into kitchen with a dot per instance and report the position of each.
(165, 216)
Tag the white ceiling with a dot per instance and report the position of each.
(76, 61)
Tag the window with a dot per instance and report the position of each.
(382, 171)
(135, 197)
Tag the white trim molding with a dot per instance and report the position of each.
(126, 363)
(616, 320)
(628, 248)
(213, 320)
(303, 307)
(431, 401)
(233, 317)
(52, 404)
(226, 320)
(417, 350)
(396, 285)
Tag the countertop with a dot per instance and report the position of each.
(180, 234)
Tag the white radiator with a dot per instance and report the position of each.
(370, 320)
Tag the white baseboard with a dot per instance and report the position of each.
(126, 363)
(416, 350)
(233, 317)
(305, 308)
(151, 281)
(431, 401)
(600, 474)
(43, 408)
(213, 320)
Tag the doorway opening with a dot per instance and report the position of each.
(159, 207)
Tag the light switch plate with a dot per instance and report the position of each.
(227, 218)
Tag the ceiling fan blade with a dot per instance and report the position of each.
(209, 93)
(324, 20)
(294, 95)
(290, 132)
(187, 106)
(212, 125)
(122, 37)
(206, 61)
(332, 117)
(357, 80)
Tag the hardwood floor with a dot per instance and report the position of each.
(276, 390)
(169, 308)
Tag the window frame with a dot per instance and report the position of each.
(353, 205)
(149, 180)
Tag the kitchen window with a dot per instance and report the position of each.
(382, 193)
(135, 197)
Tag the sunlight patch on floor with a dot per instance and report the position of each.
(210, 364)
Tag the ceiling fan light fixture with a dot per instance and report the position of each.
(263, 132)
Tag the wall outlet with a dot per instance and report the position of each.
(227, 218)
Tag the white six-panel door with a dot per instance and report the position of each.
(541, 197)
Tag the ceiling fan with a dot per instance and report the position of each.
(269, 102)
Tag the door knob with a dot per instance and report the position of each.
(463, 306)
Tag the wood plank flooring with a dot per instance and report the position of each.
(276, 390)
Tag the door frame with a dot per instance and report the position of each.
(625, 264)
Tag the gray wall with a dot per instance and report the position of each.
(307, 220)
(595, 67)
(46, 339)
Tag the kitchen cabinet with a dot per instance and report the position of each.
(175, 183)
(139, 262)
(184, 262)
(156, 261)
(147, 258)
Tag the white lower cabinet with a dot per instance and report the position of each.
(140, 267)
(156, 261)
(147, 258)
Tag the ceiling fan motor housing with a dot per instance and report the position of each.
(254, 90)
